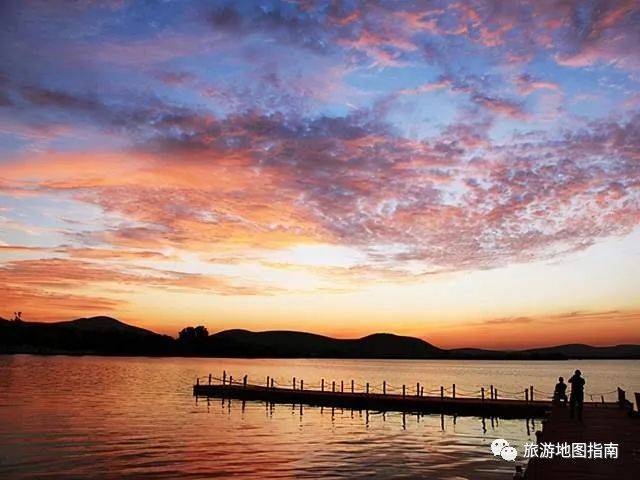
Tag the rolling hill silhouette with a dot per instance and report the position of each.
(103, 324)
(300, 344)
(580, 350)
(97, 335)
(109, 336)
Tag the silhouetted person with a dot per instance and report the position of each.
(519, 475)
(577, 394)
(560, 392)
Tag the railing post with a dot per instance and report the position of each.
(341, 386)
(197, 380)
(267, 381)
(491, 392)
(531, 393)
(526, 394)
(422, 391)
(384, 387)
(333, 386)
(622, 400)
(367, 388)
(482, 393)
(454, 390)
(495, 392)
(301, 384)
(244, 381)
(209, 379)
(352, 387)
(294, 383)
(322, 385)
(231, 380)
(224, 377)
(441, 392)
(418, 389)
(272, 384)
(403, 390)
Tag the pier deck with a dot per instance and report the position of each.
(602, 424)
(506, 408)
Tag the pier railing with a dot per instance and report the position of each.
(418, 389)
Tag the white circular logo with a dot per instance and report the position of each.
(509, 454)
(501, 447)
(497, 445)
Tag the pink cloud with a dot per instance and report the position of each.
(428, 87)
(516, 202)
(527, 85)
(501, 106)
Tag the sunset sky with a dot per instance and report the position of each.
(465, 172)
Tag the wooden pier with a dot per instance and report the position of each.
(602, 424)
(403, 399)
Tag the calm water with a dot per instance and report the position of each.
(70, 417)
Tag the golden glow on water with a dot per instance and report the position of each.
(96, 416)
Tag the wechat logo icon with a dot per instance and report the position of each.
(501, 447)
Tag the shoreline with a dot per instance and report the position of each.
(68, 353)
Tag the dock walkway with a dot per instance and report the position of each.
(379, 401)
(602, 425)
(410, 401)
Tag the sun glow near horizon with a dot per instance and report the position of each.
(511, 307)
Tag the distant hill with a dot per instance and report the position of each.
(95, 335)
(579, 350)
(102, 324)
(109, 336)
(300, 344)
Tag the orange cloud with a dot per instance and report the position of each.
(599, 328)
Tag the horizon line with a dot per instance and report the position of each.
(490, 349)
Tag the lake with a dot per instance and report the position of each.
(114, 417)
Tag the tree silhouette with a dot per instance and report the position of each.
(193, 335)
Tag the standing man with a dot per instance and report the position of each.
(577, 394)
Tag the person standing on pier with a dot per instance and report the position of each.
(577, 394)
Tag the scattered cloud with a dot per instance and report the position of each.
(428, 138)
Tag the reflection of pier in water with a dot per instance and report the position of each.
(488, 423)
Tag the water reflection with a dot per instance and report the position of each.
(458, 446)
(76, 417)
